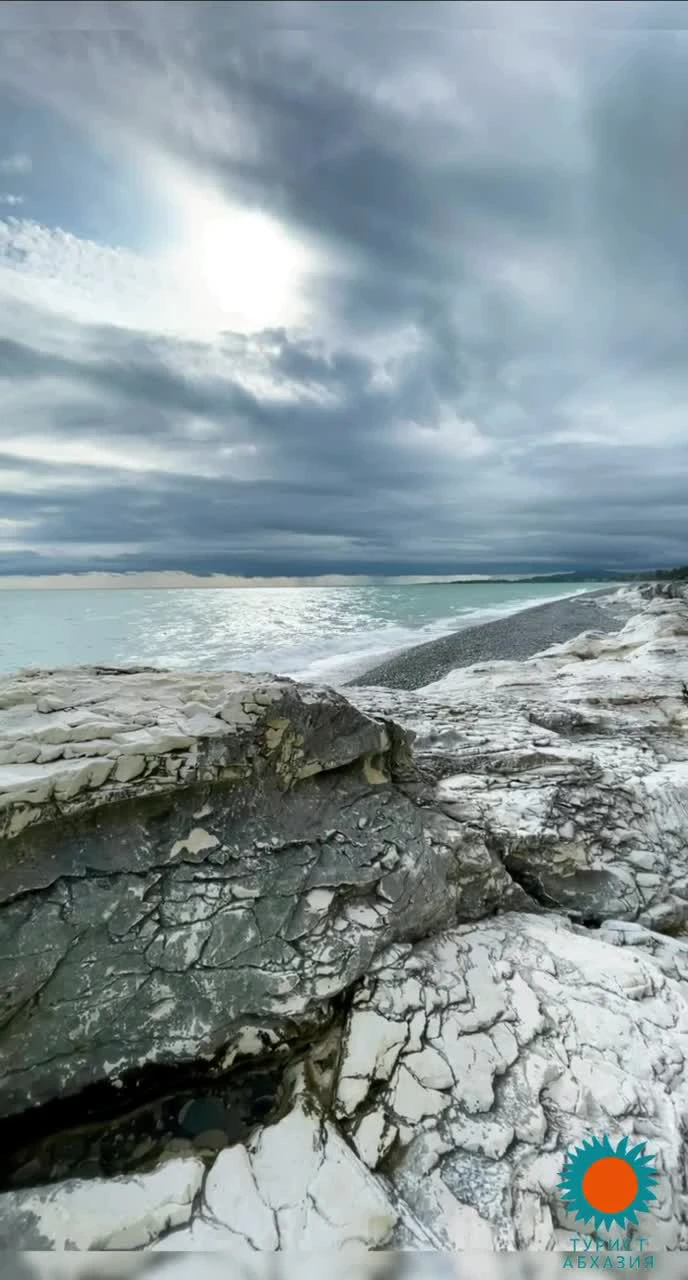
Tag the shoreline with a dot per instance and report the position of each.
(513, 638)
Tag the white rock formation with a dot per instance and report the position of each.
(573, 765)
(471, 1055)
(482, 1054)
(473, 1060)
(67, 734)
(117, 1213)
(296, 1185)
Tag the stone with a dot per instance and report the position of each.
(117, 1213)
(534, 1035)
(120, 907)
(210, 1140)
(295, 1185)
(573, 765)
(467, 960)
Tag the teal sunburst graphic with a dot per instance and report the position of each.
(608, 1184)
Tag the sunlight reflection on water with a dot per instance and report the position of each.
(309, 632)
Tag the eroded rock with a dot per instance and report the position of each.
(212, 905)
(117, 1213)
(473, 1060)
(295, 1185)
(247, 851)
(470, 1063)
(572, 765)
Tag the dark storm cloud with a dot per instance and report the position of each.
(143, 378)
(501, 376)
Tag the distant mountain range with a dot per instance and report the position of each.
(595, 575)
(599, 575)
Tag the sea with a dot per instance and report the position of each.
(318, 633)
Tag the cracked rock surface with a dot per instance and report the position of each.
(480, 952)
(215, 860)
(120, 1213)
(572, 765)
(469, 1063)
(476, 1058)
(296, 1184)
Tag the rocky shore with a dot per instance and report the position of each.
(283, 967)
(512, 638)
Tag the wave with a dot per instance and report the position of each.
(360, 651)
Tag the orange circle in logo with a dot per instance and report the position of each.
(610, 1184)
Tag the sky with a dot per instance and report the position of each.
(341, 288)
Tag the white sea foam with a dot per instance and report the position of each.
(370, 648)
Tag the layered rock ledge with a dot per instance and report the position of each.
(194, 866)
(458, 942)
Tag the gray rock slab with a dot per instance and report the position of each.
(215, 901)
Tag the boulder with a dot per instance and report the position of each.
(468, 1064)
(471, 958)
(120, 1213)
(194, 866)
(573, 765)
(296, 1184)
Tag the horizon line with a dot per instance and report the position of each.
(180, 579)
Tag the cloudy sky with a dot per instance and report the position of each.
(305, 288)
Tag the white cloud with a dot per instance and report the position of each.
(447, 438)
(10, 528)
(138, 457)
(88, 282)
(30, 481)
(222, 269)
(481, 329)
(17, 163)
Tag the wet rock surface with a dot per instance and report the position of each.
(401, 986)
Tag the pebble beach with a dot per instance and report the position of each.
(513, 638)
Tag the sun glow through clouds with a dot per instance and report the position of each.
(236, 269)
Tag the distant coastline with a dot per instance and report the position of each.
(573, 578)
(178, 581)
(188, 581)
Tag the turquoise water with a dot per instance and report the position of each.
(329, 633)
